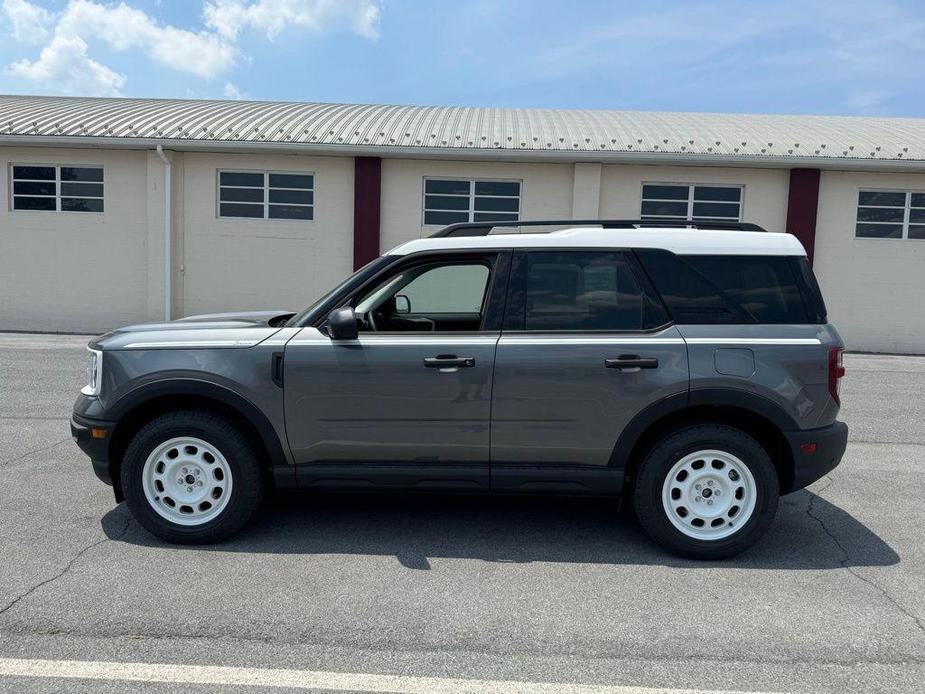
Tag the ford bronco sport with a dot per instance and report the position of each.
(687, 367)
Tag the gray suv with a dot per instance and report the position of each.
(685, 367)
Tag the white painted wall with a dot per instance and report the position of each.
(81, 272)
(874, 288)
(75, 271)
(586, 191)
(546, 192)
(764, 199)
(243, 264)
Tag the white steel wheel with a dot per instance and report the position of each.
(709, 495)
(187, 481)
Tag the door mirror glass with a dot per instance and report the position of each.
(342, 324)
(402, 304)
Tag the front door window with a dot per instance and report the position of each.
(447, 297)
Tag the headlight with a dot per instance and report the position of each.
(94, 373)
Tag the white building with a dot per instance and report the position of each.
(270, 204)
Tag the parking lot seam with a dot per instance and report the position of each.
(597, 655)
(846, 558)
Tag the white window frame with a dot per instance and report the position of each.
(57, 196)
(907, 214)
(470, 212)
(690, 200)
(266, 173)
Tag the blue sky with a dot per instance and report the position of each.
(835, 57)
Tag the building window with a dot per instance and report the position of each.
(691, 202)
(448, 201)
(57, 188)
(266, 195)
(890, 215)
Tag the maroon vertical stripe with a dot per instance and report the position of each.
(367, 183)
(802, 206)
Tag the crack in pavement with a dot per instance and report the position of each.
(846, 557)
(37, 450)
(66, 568)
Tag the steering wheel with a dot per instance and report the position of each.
(370, 321)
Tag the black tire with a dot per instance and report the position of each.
(246, 490)
(661, 458)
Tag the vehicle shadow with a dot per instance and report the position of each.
(808, 532)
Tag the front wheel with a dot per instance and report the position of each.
(191, 477)
(706, 491)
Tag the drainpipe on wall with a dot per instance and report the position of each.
(167, 287)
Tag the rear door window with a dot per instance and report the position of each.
(727, 288)
(583, 291)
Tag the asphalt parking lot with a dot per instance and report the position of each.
(496, 592)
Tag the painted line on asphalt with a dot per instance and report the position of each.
(305, 679)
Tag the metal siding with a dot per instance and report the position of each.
(404, 128)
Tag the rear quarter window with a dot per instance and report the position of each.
(732, 289)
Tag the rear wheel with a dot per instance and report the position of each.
(191, 477)
(706, 491)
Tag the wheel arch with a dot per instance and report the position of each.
(143, 404)
(758, 416)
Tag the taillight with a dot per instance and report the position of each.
(836, 371)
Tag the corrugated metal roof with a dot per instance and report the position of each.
(485, 131)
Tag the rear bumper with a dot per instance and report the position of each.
(97, 449)
(809, 465)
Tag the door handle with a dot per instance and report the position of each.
(444, 361)
(631, 361)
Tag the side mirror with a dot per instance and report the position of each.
(342, 324)
(402, 304)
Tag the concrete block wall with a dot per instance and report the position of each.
(244, 264)
(76, 271)
(874, 288)
(546, 191)
(84, 272)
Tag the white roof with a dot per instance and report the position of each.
(681, 241)
(462, 132)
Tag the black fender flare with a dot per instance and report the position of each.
(698, 397)
(180, 386)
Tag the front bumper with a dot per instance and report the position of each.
(810, 464)
(96, 447)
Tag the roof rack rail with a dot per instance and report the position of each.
(484, 228)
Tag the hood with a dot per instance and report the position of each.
(207, 331)
(273, 319)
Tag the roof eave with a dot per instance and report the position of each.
(477, 153)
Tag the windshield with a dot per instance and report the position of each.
(357, 278)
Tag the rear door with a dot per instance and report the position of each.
(586, 346)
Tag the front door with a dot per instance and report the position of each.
(409, 401)
(585, 348)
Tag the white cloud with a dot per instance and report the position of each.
(231, 91)
(230, 17)
(126, 28)
(30, 23)
(64, 63)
